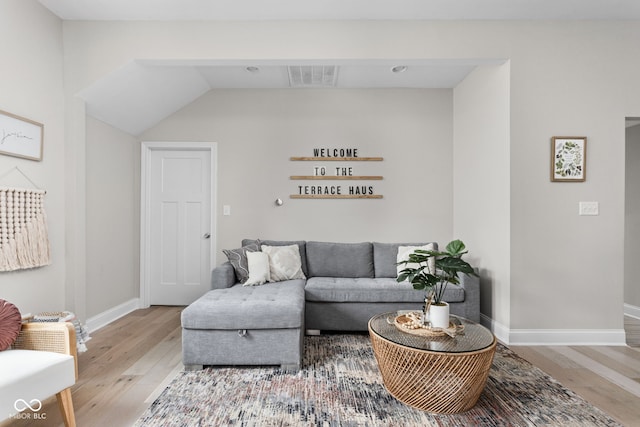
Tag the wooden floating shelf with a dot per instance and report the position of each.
(337, 159)
(335, 178)
(335, 196)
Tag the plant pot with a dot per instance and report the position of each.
(439, 315)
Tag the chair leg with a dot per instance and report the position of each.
(66, 407)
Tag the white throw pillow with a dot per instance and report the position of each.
(405, 251)
(259, 272)
(284, 262)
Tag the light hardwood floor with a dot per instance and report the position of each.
(130, 361)
(606, 376)
(127, 361)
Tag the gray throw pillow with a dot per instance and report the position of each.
(238, 259)
(284, 262)
(301, 247)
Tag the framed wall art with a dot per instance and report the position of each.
(568, 158)
(20, 137)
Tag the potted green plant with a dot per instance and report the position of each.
(432, 271)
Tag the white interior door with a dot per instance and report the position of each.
(179, 225)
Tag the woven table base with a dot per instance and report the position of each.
(437, 382)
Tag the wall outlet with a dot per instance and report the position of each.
(226, 210)
(589, 208)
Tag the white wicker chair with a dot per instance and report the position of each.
(42, 362)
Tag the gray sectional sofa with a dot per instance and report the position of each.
(346, 284)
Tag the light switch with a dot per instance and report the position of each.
(589, 208)
(226, 210)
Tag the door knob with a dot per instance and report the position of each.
(206, 235)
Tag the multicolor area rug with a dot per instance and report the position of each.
(340, 385)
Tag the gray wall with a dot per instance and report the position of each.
(113, 212)
(32, 87)
(632, 220)
(569, 78)
(481, 183)
(257, 132)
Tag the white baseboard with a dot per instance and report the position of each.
(567, 337)
(554, 336)
(499, 330)
(103, 319)
(502, 333)
(632, 310)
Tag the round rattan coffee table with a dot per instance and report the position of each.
(439, 374)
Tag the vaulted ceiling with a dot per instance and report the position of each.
(153, 90)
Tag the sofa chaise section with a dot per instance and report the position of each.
(245, 325)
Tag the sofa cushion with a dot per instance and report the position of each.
(385, 257)
(301, 246)
(404, 252)
(284, 262)
(352, 260)
(269, 306)
(238, 258)
(259, 271)
(332, 289)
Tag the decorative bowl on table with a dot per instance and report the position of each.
(412, 323)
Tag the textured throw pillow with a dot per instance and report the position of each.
(10, 324)
(284, 262)
(258, 263)
(405, 251)
(238, 258)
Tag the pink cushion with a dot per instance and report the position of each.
(10, 324)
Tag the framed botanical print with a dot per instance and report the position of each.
(568, 158)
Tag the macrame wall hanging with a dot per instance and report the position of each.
(24, 241)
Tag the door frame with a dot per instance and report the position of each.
(147, 147)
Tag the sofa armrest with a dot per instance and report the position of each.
(471, 285)
(58, 337)
(223, 276)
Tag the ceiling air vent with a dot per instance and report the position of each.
(313, 75)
